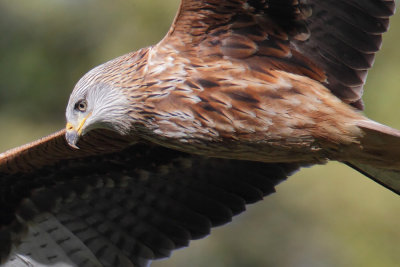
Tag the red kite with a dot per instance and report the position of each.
(178, 137)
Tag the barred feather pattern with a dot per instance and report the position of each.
(126, 208)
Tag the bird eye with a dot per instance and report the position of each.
(81, 105)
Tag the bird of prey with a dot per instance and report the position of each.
(166, 142)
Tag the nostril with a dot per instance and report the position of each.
(69, 127)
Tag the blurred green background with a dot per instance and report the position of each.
(322, 216)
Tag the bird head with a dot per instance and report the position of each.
(96, 102)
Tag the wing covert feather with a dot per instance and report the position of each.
(52, 148)
(331, 41)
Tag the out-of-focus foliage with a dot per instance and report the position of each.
(46, 46)
(323, 216)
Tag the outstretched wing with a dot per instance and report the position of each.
(123, 208)
(53, 148)
(332, 41)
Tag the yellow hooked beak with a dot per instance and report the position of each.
(73, 134)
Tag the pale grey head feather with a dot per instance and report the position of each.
(107, 104)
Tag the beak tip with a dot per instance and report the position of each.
(74, 146)
(72, 138)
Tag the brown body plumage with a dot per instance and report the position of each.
(235, 85)
(266, 86)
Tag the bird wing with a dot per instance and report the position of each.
(53, 148)
(331, 41)
(117, 204)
